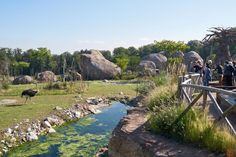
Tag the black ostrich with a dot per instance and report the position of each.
(28, 94)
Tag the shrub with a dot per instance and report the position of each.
(194, 127)
(51, 86)
(5, 85)
(164, 99)
(145, 87)
(159, 80)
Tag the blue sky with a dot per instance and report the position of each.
(69, 25)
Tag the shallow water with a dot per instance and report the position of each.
(82, 138)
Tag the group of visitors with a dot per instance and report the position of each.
(226, 74)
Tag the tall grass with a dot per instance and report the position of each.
(195, 127)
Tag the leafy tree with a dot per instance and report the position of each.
(147, 49)
(132, 51)
(106, 54)
(170, 46)
(120, 51)
(122, 62)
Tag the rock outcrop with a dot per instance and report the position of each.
(130, 138)
(191, 57)
(25, 79)
(147, 68)
(94, 66)
(157, 58)
(46, 76)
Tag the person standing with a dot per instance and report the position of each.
(228, 74)
(219, 70)
(207, 74)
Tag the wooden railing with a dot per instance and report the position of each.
(190, 90)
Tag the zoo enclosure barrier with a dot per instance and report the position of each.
(190, 90)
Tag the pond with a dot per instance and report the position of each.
(81, 139)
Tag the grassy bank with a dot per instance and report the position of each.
(195, 127)
(43, 103)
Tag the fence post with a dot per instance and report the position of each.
(179, 91)
(204, 99)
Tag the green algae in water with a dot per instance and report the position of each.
(79, 139)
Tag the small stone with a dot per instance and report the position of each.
(2, 141)
(31, 136)
(5, 150)
(47, 124)
(9, 130)
(58, 108)
(27, 120)
(51, 130)
(77, 114)
(121, 93)
(106, 81)
(16, 127)
(100, 99)
(29, 129)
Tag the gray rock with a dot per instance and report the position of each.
(145, 64)
(73, 76)
(77, 114)
(46, 124)
(51, 130)
(157, 58)
(9, 131)
(46, 76)
(95, 67)
(191, 57)
(58, 108)
(54, 120)
(25, 79)
(31, 136)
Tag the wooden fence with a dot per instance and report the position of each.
(190, 89)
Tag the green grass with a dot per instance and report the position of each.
(43, 103)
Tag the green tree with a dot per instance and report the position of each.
(122, 62)
(171, 46)
(106, 54)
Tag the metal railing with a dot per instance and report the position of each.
(190, 89)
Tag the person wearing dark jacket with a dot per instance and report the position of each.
(228, 74)
(207, 76)
(219, 70)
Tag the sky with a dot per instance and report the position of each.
(69, 25)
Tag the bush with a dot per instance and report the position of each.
(145, 87)
(164, 99)
(159, 80)
(194, 127)
(5, 85)
(51, 86)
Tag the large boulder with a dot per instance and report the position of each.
(190, 58)
(46, 76)
(147, 64)
(157, 58)
(73, 76)
(25, 79)
(95, 67)
(176, 54)
(147, 68)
